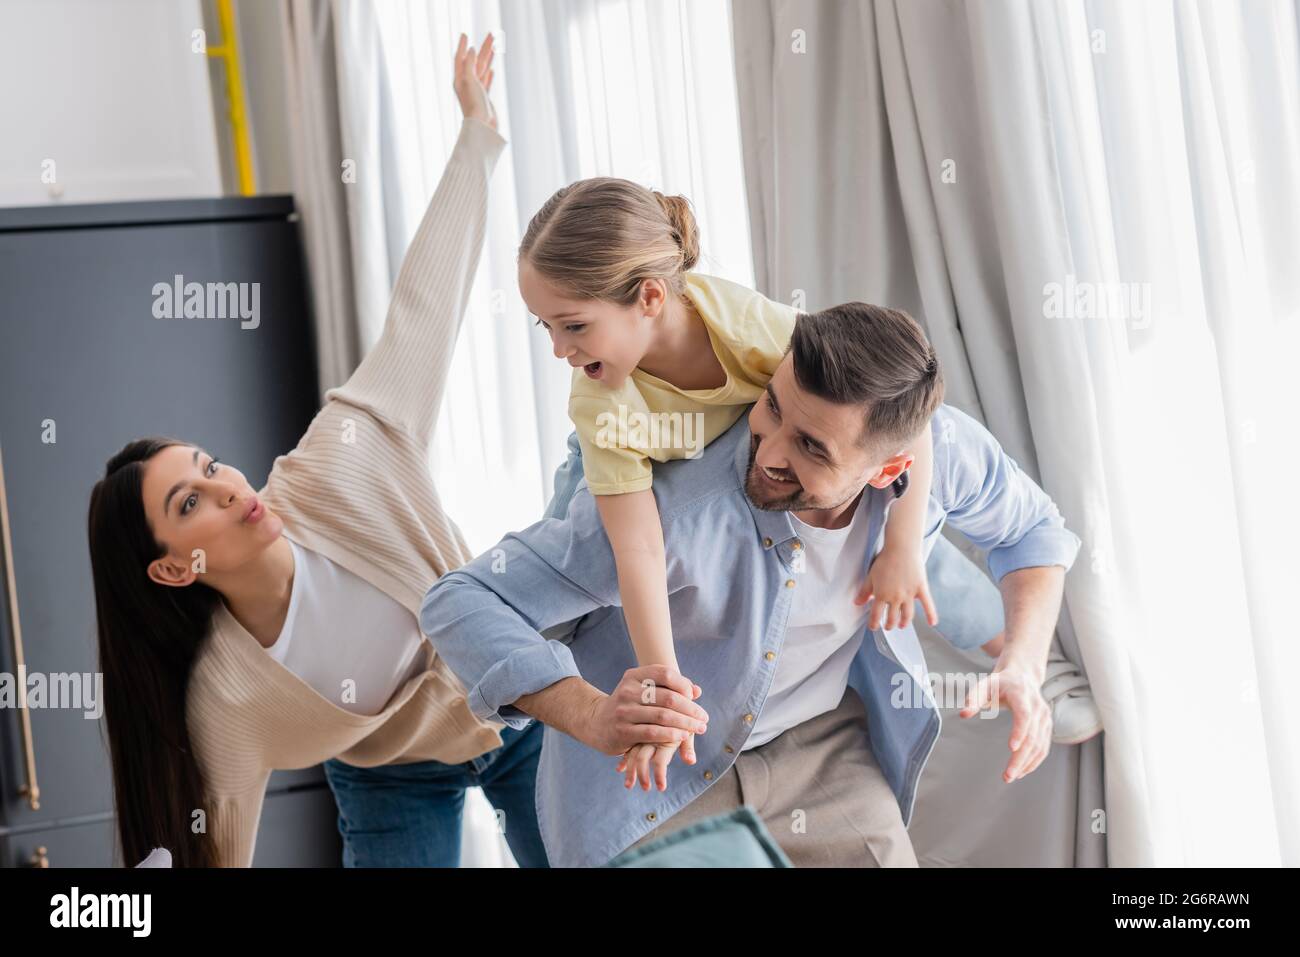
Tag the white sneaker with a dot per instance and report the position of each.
(1075, 717)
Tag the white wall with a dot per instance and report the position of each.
(112, 93)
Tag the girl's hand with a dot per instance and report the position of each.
(473, 80)
(647, 762)
(896, 580)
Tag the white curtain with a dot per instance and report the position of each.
(642, 89)
(1095, 209)
(633, 88)
(312, 113)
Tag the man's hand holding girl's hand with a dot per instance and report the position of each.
(649, 762)
(618, 723)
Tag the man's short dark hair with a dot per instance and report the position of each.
(860, 354)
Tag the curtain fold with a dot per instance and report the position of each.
(316, 152)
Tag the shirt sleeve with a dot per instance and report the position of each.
(485, 618)
(403, 377)
(985, 496)
(970, 606)
(753, 329)
(610, 468)
(769, 336)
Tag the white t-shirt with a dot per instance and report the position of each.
(345, 637)
(824, 630)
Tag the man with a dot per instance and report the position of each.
(768, 535)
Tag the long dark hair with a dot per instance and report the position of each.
(149, 636)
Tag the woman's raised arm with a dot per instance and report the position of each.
(401, 380)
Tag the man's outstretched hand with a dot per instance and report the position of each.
(1031, 719)
(473, 80)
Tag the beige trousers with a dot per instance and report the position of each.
(818, 789)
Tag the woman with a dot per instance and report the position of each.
(243, 631)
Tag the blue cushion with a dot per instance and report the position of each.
(735, 839)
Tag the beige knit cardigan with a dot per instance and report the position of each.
(357, 489)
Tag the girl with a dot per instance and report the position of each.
(243, 631)
(665, 360)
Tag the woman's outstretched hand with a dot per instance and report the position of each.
(473, 82)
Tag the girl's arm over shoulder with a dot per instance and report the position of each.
(897, 579)
(631, 522)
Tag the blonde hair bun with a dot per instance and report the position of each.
(601, 238)
(685, 230)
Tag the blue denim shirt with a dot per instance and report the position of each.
(730, 565)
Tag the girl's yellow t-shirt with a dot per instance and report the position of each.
(646, 419)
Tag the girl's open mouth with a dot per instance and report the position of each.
(594, 370)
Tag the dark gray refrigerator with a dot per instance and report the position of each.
(87, 364)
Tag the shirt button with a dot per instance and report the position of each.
(729, 749)
(767, 543)
(770, 655)
(797, 545)
(708, 775)
(749, 719)
(651, 816)
(789, 583)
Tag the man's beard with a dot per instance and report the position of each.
(796, 501)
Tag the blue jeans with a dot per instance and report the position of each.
(409, 815)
